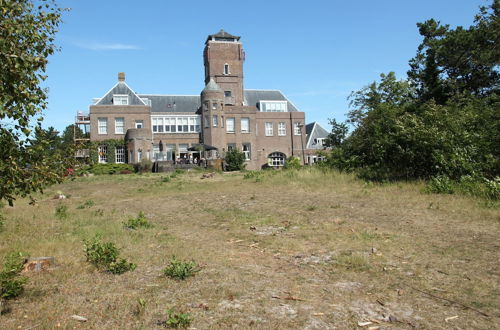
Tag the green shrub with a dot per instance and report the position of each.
(139, 222)
(87, 204)
(180, 270)
(177, 319)
(145, 166)
(292, 163)
(104, 255)
(492, 188)
(100, 169)
(165, 179)
(2, 222)
(234, 160)
(440, 185)
(11, 283)
(61, 212)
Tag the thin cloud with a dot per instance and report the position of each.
(106, 46)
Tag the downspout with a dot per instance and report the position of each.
(291, 130)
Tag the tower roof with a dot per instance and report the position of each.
(223, 36)
(212, 86)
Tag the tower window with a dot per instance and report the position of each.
(214, 106)
(227, 93)
(226, 69)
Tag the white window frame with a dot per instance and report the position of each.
(269, 129)
(273, 106)
(102, 125)
(120, 154)
(139, 123)
(296, 129)
(102, 153)
(243, 130)
(120, 128)
(226, 70)
(281, 128)
(248, 150)
(276, 159)
(215, 120)
(120, 99)
(230, 125)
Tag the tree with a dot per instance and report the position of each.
(235, 160)
(338, 133)
(26, 40)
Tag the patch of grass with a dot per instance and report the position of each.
(177, 319)
(311, 208)
(99, 213)
(11, 283)
(165, 179)
(87, 204)
(61, 212)
(104, 255)
(180, 270)
(139, 222)
(2, 222)
(368, 236)
(353, 261)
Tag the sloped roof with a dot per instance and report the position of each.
(222, 35)
(212, 86)
(254, 96)
(315, 131)
(173, 103)
(123, 89)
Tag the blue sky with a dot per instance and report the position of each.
(316, 52)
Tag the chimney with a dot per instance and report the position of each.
(121, 76)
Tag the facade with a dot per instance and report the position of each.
(263, 124)
(316, 142)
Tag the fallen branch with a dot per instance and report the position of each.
(448, 300)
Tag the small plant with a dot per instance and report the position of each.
(292, 163)
(180, 270)
(353, 261)
(61, 212)
(99, 212)
(140, 308)
(11, 284)
(492, 188)
(104, 255)
(2, 222)
(139, 222)
(165, 179)
(177, 319)
(311, 208)
(440, 184)
(87, 204)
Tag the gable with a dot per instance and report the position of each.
(121, 88)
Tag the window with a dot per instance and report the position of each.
(120, 99)
(230, 125)
(227, 93)
(269, 129)
(231, 146)
(320, 141)
(102, 125)
(276, 159)
(197, 126)
(214, 120)
(207, 121)
(226, 69)
(102, 152)
(119, 125)
(182, 125)
(246, 150)
(205, 106)
(273, 106)
(214, 106)
(281, 129)
(120, 155)
(297, 129)
(173, 124)
(139, 124)
(245, 125)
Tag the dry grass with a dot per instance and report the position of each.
(288, 250)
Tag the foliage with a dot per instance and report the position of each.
(353, 261)
(235, 160)
(293, 162)
(87, 204)
(441, 123)
(100, 169)
(440, 185)
(11, 283)
(180, 270)
(2, 222)
(110, 145)
(104, 255)
(139, 222)
(177, 319)
(27, 34)
(338, 133)
(145, 166)
(61, 212)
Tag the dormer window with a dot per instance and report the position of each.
(226, 69)
(120, 99)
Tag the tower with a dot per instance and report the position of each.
(212, 105)
(223, 58)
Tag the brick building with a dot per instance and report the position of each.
(263, 124)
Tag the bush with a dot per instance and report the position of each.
(293, 163)
(11, 284)
(180, 270)
(177, 319)
(104, 255)
(100, 169)
(440, 185)
(493, 188)
(139, 222)
(61, 212)
(235, 160)
(145, 166)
